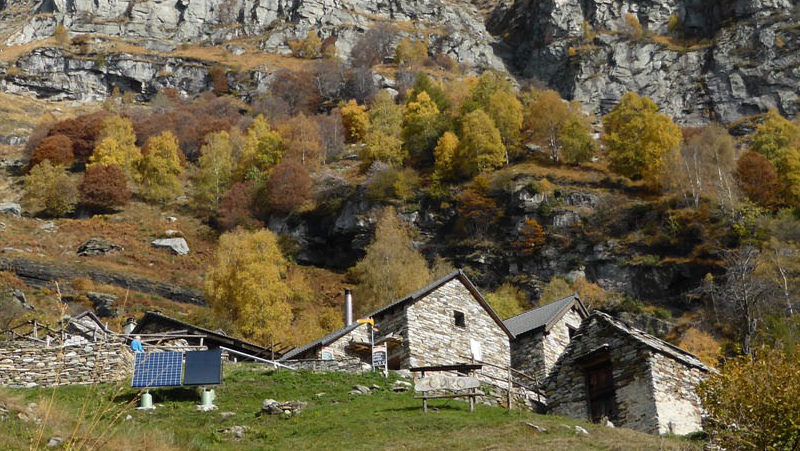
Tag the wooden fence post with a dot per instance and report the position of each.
(508, 400)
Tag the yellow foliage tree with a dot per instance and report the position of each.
(214, 172)
(302, 139)
(411, 52)
(637, 138)
(507, 300)
(160, 169)
(506, 111)
(385, 115)
(310, 47)
(262, 149)
(391, 267)
(355, 121)
(379, 146)
(49, 190)
(248, 285)
(481, 146)
(778, 139)
(116, 144)
(421, 127)
(445, 154)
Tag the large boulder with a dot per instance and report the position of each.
(97, 246)
(177, 245)
(11, 208)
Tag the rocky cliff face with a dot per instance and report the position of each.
(452, 27)
(700, 60)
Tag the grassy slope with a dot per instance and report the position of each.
(335, 420)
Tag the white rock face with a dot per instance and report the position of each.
(177, 245)
(10, 208)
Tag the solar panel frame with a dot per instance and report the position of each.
(157, 369)
(203, 367)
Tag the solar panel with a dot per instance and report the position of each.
(203, 367)
(157, 369)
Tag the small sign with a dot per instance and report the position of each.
(379, 358)
(327, 354)
(433, 382)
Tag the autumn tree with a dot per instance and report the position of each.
(704, 167)
(753, 403)
(263, 148)
(379, 146)
(355, 121)
(82, 131)
(160, 169)
(288, 186)
(444, 155)
(422, 125)
(310, 47)
(247, 285)
(477, 209)
(758, 180)
(411, 52)
(236, 207)
(49, 190)
(778, 139)
(481, 147)
(117, 145)
(302, 140)
(637, 137)
(391, 267)
(104, 187)
(385, 115)
(545, 119)
(488, 84)
(531, 237)
(214, 174)
(373, 47)
(508, 300)
(57, 149)
(576, 140)
(506, 111)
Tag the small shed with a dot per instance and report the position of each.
(542, 334)
(613, 371)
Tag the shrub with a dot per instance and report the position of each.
(382, 147)
(393, 183)
(373, 47)
(57, 149)
(236, 207)
(508, 300)
(219, 79)
(288, 186)
(633, 26)
(61, 35)
(531, 237)
(104, 187)
(310, 47)
(411, 52)
(355, 121)
(757, 179)
(82, 131)
(49, 190)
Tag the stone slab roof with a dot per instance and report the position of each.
(324, 341)
(543, 318)
(652, 342)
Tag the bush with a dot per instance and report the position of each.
(754, 403)
(393, 183)
(61, 35)
(82, 131)
(531, 237)
(57, 149)
(758, 179)
(633, 26)
(355, 121)
(508, 300)
(411, 52)
(310, 47)
(49, 190)
(236, 207)
(288, 186)
(104, 187)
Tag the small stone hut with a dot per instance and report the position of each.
(542, 334)
(613, 371)
(443, 323)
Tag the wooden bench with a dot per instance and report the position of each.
(444, 382)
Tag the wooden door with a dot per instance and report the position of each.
(600, 388)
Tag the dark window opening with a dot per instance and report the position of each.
(459, 318)
(600, 388)
(571, 331)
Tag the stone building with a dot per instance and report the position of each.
(542, 334)
(443, 323)
(614, 371)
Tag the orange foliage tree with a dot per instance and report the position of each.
(56, 148)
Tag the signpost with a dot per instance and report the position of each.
(380, 358)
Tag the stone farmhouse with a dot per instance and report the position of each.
(445, 322)
(613, 371)
(542, 334)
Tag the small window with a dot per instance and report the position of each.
(571, 331)
(459, 318)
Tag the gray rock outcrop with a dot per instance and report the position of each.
(178, 246)
(10, 208)
(97, 246)
(103, 304)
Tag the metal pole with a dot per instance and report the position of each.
(372, 346)
(508, 399)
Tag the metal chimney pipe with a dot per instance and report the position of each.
(348, 307)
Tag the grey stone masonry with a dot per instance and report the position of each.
(653, 382)
(434, 338)
(536, 353)
(90, 364)
(557, 339)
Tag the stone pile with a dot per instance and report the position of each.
(97, 246)
(288, 408)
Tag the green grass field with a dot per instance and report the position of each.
(95, 418)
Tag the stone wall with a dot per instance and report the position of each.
(557, 338)
(395, 322)
(435, 339)
(27, 366)
(679, 408)
(527, 356)
(344, 364)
